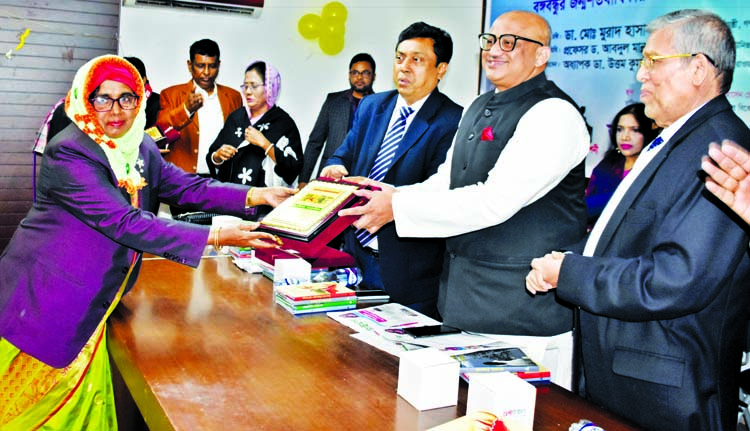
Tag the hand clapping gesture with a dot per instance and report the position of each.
(728, 179)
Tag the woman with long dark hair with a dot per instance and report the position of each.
(629, 132)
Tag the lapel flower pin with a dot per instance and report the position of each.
(487, 134)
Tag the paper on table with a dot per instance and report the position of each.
(383, 344)
(380, 326)
(379, 317)
(461, 341)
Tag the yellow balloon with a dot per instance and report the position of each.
(331, 45)
(309, 26)
(335, 11)
(330, 28)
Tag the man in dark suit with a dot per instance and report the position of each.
(662, 281)
(336, 116)
(512, 187)
(408, 269)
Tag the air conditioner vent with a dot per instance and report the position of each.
(248, 7)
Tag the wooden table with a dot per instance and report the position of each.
(208, 349)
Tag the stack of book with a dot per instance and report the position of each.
(241, 252)
(505, 359)
(315, 297)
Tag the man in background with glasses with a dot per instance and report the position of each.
(662, 280)
(512, 186)
(336, 116)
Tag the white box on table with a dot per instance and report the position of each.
(503, 394)
(428, 379)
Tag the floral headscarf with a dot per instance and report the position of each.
(273, 82)
(122, 152)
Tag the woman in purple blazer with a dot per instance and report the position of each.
(79, 249)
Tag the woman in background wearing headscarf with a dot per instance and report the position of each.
(260, 143)
(79, 249)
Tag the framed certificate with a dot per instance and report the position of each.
(311, 210)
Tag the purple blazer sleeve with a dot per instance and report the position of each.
(71, 253)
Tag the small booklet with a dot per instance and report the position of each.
(314, 291)
(308, 212)
(510, 359)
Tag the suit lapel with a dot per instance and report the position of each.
(644, 178)
(419, 124)
(633, 192)
(186, 90)
(380, 126)
(342, 109)
(224, 100)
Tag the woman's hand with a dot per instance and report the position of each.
(223, 154)
(242, 235)
(255, 137)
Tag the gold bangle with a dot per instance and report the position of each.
(217, 247)
(249, 198)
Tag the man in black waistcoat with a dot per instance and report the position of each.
(512, 186)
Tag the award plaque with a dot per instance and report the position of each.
(306, 214)
(309, 220)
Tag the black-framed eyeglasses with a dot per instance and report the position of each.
(126, 101)
(251, 87)
(357, 73)
(507, 41)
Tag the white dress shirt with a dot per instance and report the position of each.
(640, 164)
(400, 102)
(210, 122)
(549, 141)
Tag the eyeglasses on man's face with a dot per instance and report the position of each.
(357, 73)
(126, 101)
(648, 62)
(251, 87)
(507, 42)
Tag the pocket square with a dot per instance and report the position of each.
(487, 134)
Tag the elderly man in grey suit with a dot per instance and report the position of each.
(663, 280)
(336, 115)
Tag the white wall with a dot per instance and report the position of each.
(161, 38)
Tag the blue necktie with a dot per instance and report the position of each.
(655, 143)
(384, 159)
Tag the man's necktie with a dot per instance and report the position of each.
(384, 159)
